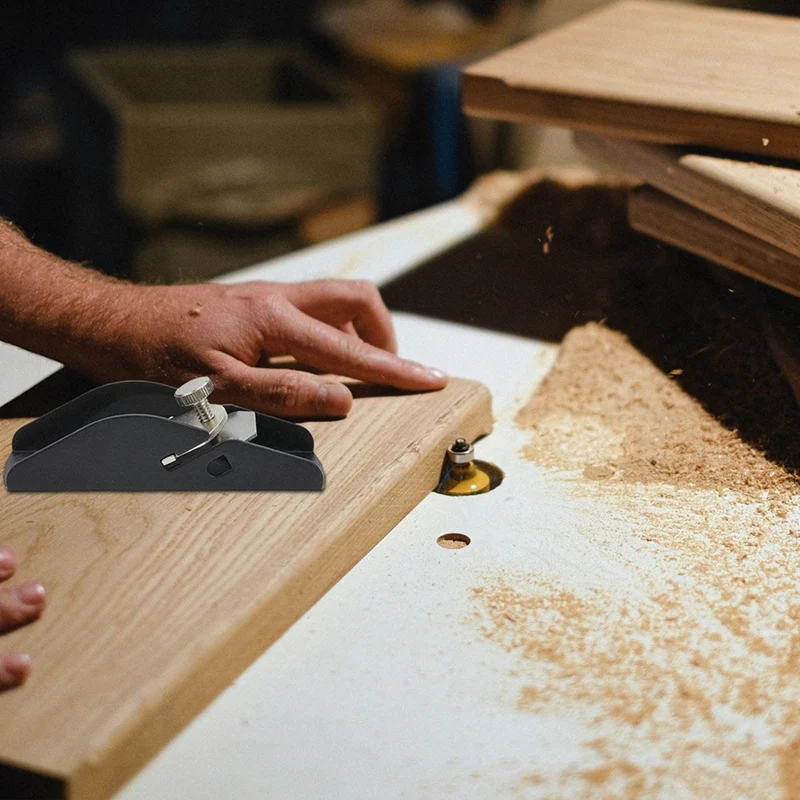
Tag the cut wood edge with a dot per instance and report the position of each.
(661, 166)
(111, 765)
(673, 222)
(493, 98)
(653, 71)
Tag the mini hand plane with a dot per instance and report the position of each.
(137, 436)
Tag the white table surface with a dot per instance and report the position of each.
(385, 688)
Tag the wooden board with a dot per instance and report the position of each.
(157, 601)
(679, 224)
(664, 72)
(760, 199)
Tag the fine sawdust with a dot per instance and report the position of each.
(607, 410)
(673, 425)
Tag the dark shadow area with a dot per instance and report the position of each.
(503, 279)
(708, 324)
(18, 784)
(685, 314)
(361, 391)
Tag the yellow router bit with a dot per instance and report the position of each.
(462, 476)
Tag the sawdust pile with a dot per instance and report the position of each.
(672, 709)
(607, 410)
(687, 680)
(687, 677)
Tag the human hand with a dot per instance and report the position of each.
(19, 605)
(113, 330)
(228, 332)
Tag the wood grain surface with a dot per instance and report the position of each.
(758, 198)
(158, 601)
(663, 72)
(681, 225)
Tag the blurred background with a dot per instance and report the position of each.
(175, 140)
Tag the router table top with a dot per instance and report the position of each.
(400, 682)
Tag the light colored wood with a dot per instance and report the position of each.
(158, 601)
(760, 199)
(665, 72)
(679, 224)
(337, 218)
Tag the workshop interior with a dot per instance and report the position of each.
(568, 573)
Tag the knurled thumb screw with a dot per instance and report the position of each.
(194, 393)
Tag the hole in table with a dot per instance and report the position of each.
(453, 541)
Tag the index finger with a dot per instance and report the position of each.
(338, 302)
(319, 345)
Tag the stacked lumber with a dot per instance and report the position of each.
(700, 104)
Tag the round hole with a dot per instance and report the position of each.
(453, 541)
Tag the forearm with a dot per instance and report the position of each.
(61, 310)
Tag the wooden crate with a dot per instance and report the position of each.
(218, 133)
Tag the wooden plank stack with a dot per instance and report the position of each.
(651, 87)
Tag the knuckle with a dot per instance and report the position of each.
(354, 352)
(270, 303)
(285, 392)
(367, 290)
(269, 314)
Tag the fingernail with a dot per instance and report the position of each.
(17, 663)
(6, 560)
(431, 373)
(32, 594)
(330, 393)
